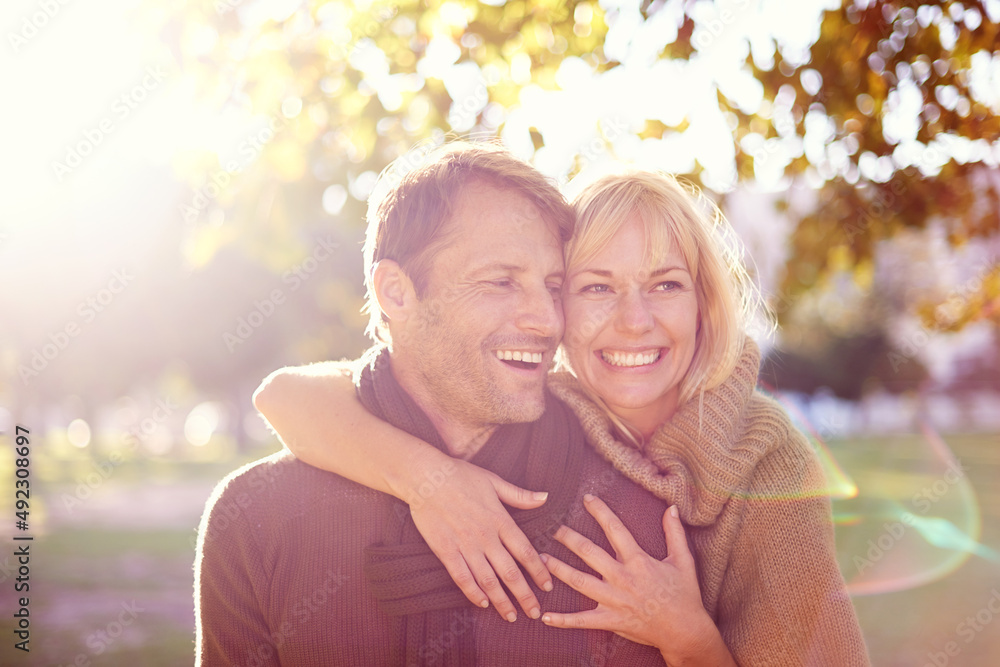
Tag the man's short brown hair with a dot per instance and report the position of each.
(411, 205)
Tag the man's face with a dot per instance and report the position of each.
(484, 333)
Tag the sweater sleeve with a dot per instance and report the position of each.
(230, 584)
(784, 601)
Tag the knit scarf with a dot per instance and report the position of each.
(701, 457)
(433, 620)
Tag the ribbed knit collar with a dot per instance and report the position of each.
(700, 458)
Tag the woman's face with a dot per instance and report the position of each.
(631, 328)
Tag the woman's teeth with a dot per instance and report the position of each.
(630, 359)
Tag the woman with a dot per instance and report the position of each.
(663, 381)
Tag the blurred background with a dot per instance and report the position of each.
(183, 188)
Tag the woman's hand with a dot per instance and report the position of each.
(643, 599)
(457, 506)
(462, 518)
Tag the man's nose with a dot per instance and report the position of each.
(540, 313)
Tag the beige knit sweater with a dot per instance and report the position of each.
(751, 495)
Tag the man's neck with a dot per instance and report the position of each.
(462, 439)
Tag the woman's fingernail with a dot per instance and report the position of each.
(484, 604)
(535, 613)
(541, 495)
(544, 557)
(587, 497)
(547, 586)
(546, 619)
(511, 617)
(673, 510)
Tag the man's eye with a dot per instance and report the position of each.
(505, 282)
(555, 290)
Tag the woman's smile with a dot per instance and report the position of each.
(632, 323)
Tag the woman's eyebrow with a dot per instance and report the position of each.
(667, 269)
(604, 273)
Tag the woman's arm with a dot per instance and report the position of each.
(787, 569)
(316, 413)
(639, 597)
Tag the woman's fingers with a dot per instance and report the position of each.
(460, 573)
(512, 577)
(594, 619)
(515, 496)
(518, 545)
(514, 540)
(581, 582)
(591, 554)
(489, 582)
(481, 545)
(618, 535)
(480, 576)
(677, 546)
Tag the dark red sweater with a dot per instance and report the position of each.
(279, 575)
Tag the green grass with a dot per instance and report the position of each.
(82, 573)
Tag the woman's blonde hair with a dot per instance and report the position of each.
(676, 214)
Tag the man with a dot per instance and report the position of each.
(299, 566)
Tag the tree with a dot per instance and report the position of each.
(887, 113)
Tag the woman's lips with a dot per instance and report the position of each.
(636, 358)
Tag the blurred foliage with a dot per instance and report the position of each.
(858, 69)
(835, 365)
(356, 86)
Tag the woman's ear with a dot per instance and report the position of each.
(394, 291)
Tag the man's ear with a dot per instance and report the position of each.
(394, 291)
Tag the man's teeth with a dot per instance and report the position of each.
(630, 359)
(510, 355)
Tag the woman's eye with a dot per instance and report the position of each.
(668, 286)
(595, 289)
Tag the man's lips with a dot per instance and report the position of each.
(527, 356)
(521, 359)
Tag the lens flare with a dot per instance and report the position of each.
(915, 519)
(904, 510)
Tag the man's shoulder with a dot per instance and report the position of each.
(282, 481)
(270, 474)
